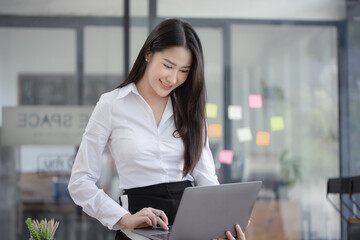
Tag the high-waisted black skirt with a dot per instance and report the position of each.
(164, 196)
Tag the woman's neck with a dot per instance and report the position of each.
(157, 103)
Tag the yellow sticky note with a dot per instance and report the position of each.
(211, 110)
(215, 130)
(263, 138)
(277, 123)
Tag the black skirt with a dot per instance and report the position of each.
(164, 196)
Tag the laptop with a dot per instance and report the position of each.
(206, 212)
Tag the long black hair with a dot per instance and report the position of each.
(189, 98)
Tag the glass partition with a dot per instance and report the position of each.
(212, 41)
(285, 81)
(37, 68)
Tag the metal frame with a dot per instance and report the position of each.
(126, 36)
(76, 23)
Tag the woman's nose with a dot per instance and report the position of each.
(172, 78)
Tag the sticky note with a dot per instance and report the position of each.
(277, 123)
(215, 130)
(211, 110)
(263, 138)
(226, 156)
(244, 134)
(255, 101)
(234, 112)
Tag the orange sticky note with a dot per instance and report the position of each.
(255, 101)
(226, 156)
(215, 130)
(263, 138)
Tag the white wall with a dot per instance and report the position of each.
(321, 10)
(248, 9)
(73, 8)
(103, 50)
(32, 51)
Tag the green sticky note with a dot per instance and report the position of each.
(277, 123)
(211, 110)
(244, 134)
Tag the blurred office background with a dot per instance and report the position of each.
(283, 81)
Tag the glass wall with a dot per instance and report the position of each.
(272, 109)
(284, 79)
(278, 112)
(27, 54)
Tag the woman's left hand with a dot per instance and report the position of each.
(240, 235)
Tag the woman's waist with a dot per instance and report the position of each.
(160, 187)
(143, 178)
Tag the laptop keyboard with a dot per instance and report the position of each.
(163, 236)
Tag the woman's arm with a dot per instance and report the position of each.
(204, 172)
(87, 169)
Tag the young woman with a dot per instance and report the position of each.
(154, 128)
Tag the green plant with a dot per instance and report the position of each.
(45, 230)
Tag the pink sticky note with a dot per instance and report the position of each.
(255, 101)
(226, 156)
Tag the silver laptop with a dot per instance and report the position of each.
(206, 212)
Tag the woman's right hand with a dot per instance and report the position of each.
(144, 218)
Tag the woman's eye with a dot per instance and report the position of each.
(184, 71)
(167, 66)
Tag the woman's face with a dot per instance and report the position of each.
(168, 69)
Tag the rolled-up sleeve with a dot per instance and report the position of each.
(87, 169)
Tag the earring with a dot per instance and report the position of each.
(146, 60)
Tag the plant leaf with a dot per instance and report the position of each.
(40, 230)
(53, 230)
(31, 228)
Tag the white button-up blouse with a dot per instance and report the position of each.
(144, 153)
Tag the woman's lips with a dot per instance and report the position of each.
(165, 86)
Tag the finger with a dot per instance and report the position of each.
(159, 213)
(229, 235)
(162, 223)
(240, 234)
(163, 216)
(145, 218)
(153, 218)
(238, 229)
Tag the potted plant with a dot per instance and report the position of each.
(43, 230)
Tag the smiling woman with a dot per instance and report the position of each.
(178, 42)
(170, 67)
(162, 76)
(161, 107)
